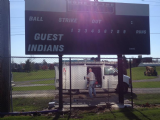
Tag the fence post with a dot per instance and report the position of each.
(60, 83)
(120, 79)
(131, 82)
(70, 85)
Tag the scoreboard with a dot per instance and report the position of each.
(85, 27)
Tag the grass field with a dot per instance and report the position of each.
(138, 73)
(140, 99)
(41, 74)
(39, 103)
(31, 88)
(123, 114)
(43, 82)
(31, 104)
(155, 84)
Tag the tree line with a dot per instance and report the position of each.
(29, 66)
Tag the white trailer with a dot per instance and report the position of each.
(106, 76)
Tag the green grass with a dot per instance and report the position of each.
(43, 82)
(31, 104)
(41, 74)
(38, 104)
(154, 84)
(138, 73)
(140, 99)
(123, 114)
(31, 88)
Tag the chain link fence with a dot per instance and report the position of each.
(35, 81)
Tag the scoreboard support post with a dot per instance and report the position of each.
(120, 79)
(60, 83)
(5, 54)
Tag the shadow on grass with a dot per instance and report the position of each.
(112, 113)
(69, 116)
(128, 112)
(128, 95)
(142, 114)
(64, 115)
(56, 117)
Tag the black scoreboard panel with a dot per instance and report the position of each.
(87, 28)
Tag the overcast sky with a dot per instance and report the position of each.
(17, 14)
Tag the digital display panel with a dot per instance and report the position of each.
(72, 27)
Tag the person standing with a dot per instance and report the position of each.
(92, 80)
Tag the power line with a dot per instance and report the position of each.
(154, 16)
(155, 5)
(17, 1)
(17, 34)
(154, 33)
(17, 17)
(24, 34)
(17, 28)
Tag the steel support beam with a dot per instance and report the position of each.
(60, 84)
(120, 79)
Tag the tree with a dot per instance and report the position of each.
(125, 65)
(51, 67)
(94, 59)
(44, 65)
(44, 62)
(28, 66)
(19, 68)
(36, 67)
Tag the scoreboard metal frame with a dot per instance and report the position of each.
(85, 27)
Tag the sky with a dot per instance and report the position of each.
(17, 15)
